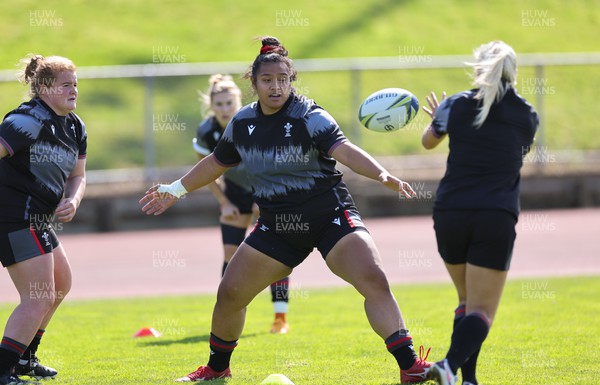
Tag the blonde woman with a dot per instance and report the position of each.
(42, 181)
(490, 129)
(233, 192)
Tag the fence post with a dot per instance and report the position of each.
(149, 152)
(355, 91)
(539, 100)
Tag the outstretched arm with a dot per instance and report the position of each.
(160, 197)
(364, 164)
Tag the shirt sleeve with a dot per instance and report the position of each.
(324, 131)
(82, 145)
(225, 153)
(199, 143)
(19, 131)
(439, 124)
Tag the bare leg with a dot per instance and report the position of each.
(484, 290)
(34, 280)
(356, 260)
(248, 273)
(458, 273)
(62, 282)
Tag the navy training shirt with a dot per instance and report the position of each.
(287, 156)
(483, 166)
(43, 150)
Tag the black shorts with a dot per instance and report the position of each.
(482, 238)
(238, 196)
(21, 241)
(290, 237)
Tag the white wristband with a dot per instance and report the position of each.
(176, 189)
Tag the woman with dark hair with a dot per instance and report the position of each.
(233, 191)
(42, 181)
(490, 129)
(289, 146)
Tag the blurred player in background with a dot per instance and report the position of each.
(289, 146)
(42, 181)
(490, 129)
(233, 192)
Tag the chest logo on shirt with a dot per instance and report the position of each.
(288, 128)
(216, 136)
(53, 129)
(251, 129)
(73, 128)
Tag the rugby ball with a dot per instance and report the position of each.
(388, 109)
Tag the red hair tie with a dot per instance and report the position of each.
(267, 49)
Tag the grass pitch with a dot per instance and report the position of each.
(546, 332)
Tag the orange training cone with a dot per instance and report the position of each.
(147, 332)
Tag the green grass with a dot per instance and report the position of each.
(545, 333)
(114, 32)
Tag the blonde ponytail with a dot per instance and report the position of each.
(495, 72)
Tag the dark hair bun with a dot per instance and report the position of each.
(271, 44)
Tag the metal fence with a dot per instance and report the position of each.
(149, 72)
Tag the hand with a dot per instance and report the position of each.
(433, 103)
(65, 211)
(229, 211)
(396, 184)
(156, 203)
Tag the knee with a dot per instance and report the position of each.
(227, 293)
(39, 302)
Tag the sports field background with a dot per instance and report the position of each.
(114, 32)
(546, 328)
(167, 278)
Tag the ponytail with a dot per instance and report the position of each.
(495, 72)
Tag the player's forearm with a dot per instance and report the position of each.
(359, 161)
(75, 188)
(203, 173)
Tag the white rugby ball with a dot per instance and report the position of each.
(388, 109)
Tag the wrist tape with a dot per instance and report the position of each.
(176, 189)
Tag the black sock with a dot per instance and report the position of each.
(220, 353)
(33, 346)
(280, 289)
(459, 315)
(223, 269)
(469, 368)
(400, 344)
(10, 352)
(467, 338)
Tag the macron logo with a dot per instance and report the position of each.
(336, 221)
(251, 129)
